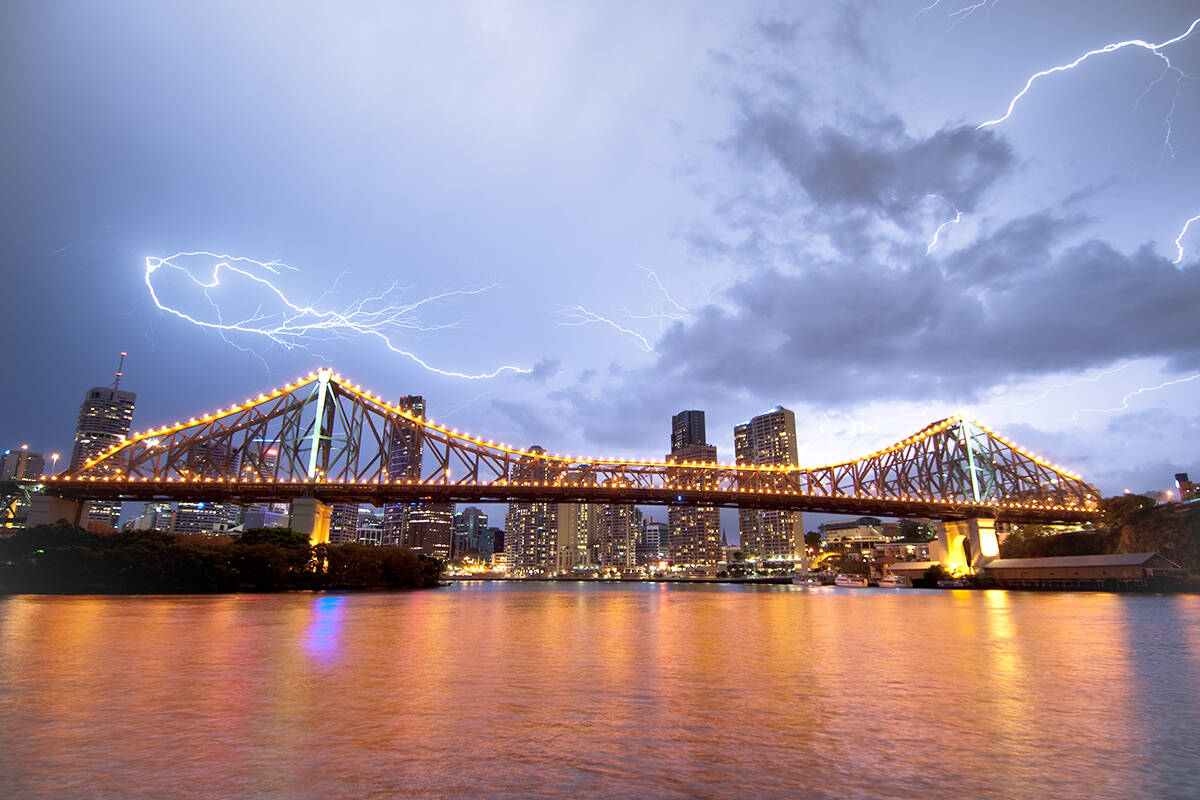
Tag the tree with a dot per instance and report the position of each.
(813, 539)
(911, 529)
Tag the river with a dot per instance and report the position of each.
(604, 690)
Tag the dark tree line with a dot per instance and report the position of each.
(1130, 523)
(68, 560)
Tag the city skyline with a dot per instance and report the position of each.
(739, 221)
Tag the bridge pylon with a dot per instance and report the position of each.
(966, 545)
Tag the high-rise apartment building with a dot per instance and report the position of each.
(769, 439)
(620, 526)
(531, 529)
(105, 417)
(20, 464)
(695, 531)
(578, 533)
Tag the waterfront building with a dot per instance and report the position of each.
(20, 464)
(405, 447)
(694, 530)
(105, 417)
(859, 535)
(531, 529)
(769, 440)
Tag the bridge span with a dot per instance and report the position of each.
(322, 439)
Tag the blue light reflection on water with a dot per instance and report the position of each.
(322, 640)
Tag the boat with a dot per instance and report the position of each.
(954, 583)
(849, 580)
(895, 582)
(810, 579)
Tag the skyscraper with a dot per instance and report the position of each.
(531, 529)
(470, 524)
(687, 429)
(105, 417)
(769, 439)
(405, 446)
(695, 531)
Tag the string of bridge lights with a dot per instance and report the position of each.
(453, 433)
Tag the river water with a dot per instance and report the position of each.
(605, 690)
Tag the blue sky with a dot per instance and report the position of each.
(781, 169)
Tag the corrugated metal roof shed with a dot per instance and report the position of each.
(1111, 560)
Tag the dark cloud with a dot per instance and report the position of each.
(1004, 308)
(544, 370)
(873, 165)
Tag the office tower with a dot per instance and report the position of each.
(654, 543)
(619, 526)
(105, 417)
(405, 446)
(694, 530)
(343, 523)
(155, 517)
(531, 529)
(470, 524)
(199, 518)
(429, 528)
(20, 464)
(769, 439)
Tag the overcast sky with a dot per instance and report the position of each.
(749, 195)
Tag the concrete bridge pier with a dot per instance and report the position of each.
(311, 516)
(965, 545)
(45, 509)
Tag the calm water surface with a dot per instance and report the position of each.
(634, 690)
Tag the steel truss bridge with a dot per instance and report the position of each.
(325, 438)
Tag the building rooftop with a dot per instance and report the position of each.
(1112, 560)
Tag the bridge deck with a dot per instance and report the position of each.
(380, 493)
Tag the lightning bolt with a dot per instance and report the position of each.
(957, 218)
(651, 275)
(581, 316)
(1061, 386)
(855, 425)
(966, 11)
(374, 315)
(1179, 238)
(1108, 48)
(1125, 400)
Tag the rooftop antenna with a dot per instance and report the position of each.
(120, 368)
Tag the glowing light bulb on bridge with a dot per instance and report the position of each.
(292, 324)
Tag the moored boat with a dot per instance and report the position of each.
(895, 582)
(850, 580)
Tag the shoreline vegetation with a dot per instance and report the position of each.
(62, 559)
